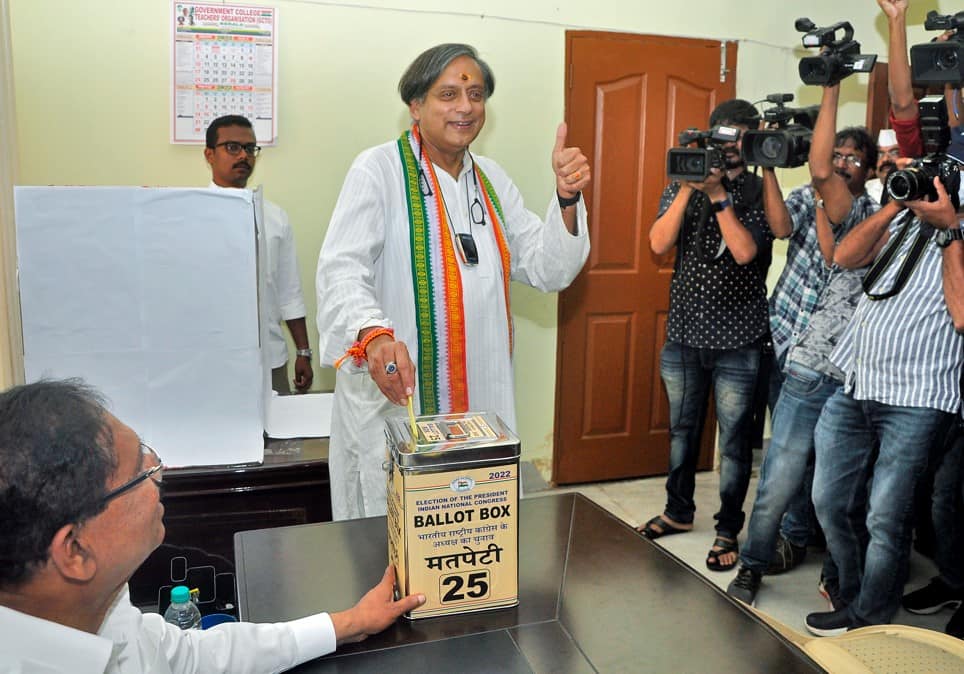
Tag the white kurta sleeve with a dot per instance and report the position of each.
(291, 302)
(145, 643)
(345, 280)
(544, 254)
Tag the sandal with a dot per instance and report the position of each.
(665, 528)
(724, 546)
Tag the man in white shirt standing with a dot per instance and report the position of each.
(80, 510)
(231, 152)
(413, 276)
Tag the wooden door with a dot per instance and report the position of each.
(627, 98)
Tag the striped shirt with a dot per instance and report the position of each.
(805, 276)
(904, 350)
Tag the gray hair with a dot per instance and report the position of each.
(428, 66)
(56, 455)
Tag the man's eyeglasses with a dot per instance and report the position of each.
(234, 148)
(155, 473)
(851, 159)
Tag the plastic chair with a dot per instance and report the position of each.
(879, 649)
(888, 649)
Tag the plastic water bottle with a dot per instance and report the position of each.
(182, 611)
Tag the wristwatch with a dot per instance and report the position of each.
(304, 352)
(566, 202)
(943, 237)
(720, 205)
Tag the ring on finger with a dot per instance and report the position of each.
(391, 368)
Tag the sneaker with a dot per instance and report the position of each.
(829, 624)
(831, 593)
(955, 627)
(745, 586)
(786, 556)
(932, 598)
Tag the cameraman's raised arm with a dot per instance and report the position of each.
(904, 118)
(665, 231)
(837, 198)
(898, 72)
(778, 217)
(861, 244)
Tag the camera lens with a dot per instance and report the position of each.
(771, 147)
(902, 185)
(693, 164)
(946, 59)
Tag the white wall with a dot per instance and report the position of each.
(92, 90)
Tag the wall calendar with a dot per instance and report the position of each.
(224, 62)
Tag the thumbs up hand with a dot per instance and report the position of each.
(570, 166)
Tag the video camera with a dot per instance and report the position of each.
(840, 57)
(940, 62)
(694, 163)
(917, 180)
(787, 144)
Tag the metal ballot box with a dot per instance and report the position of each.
(453, 501)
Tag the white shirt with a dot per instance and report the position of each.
(131, 642)
(284, 300)
(365, 279)
(875, 188)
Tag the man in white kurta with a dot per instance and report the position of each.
(365, 279)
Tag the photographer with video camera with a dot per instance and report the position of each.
(901, 356)
(809, 309)
(717, 323)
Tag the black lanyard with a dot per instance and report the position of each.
(887, 256)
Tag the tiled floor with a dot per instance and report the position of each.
(787, 597)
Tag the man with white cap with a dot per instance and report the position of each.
(888, 159)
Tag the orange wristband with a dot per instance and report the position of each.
(359, 350)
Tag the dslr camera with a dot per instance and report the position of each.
(839, 57)
(694, 163)
(787, 143)
(917, 180)
(939, 62)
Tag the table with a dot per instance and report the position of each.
(594, 596)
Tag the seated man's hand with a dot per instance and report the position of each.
(939, 213)
(374, 612)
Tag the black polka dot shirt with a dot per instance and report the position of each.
(716, 303)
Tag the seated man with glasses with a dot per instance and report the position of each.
(80, 510)
(231, 152)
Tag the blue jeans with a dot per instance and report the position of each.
(797, 520)
(687, 373)
(871, 579)
(947, 509)
(785, 466)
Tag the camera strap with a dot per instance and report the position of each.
(885, 259)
